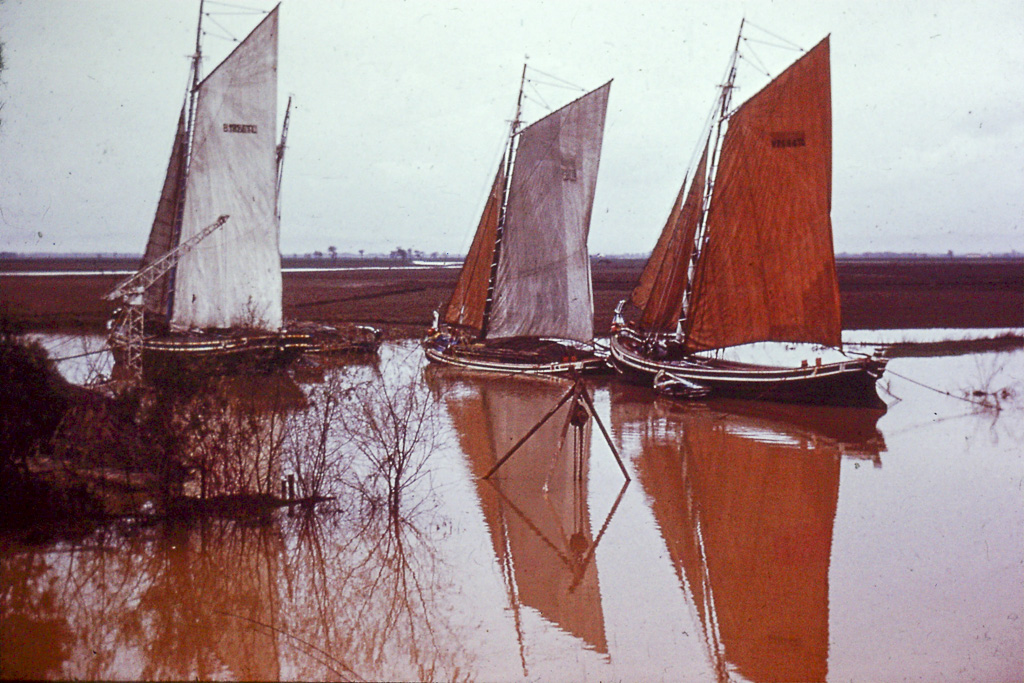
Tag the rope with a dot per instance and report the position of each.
(940, 391)
(82, 355)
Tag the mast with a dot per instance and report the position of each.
(186, 154)
(504, 203)
(701, 238)
(280, 156)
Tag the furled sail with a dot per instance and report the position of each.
(468, 301)
(768, 272)
(543, 286)
(659, 295)
(233, 277)
(161, 235)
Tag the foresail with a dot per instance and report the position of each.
(468, 301)
(233, 277)
(543, 286)
(161, 235)
(659, 294)
(768, 272)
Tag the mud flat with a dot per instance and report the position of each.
(877, 293)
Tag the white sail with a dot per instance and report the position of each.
(233, 277)
(543, 286)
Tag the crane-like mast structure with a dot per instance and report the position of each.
(127, 328)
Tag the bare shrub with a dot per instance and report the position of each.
(314, 440)
(393, 423)
(989, 373)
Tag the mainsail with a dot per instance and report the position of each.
(542, 287)
(233, 277)
(767, 271)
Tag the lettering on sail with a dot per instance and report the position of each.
(786, 139)
(240, 128)
(569, 169)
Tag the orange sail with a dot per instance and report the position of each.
(768, 272)
(466, 307)
(659, 295)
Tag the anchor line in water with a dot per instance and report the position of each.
(304, 642)
(940, 391)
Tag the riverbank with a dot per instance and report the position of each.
(876, 293)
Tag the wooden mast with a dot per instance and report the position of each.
(701, 237)
(186, 155)
(504, 203)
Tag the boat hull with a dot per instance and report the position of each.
(175, 355)
(848, 383)
(446, 350)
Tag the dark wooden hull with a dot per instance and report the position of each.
(481, 356)
(848, 383)
(214, 353)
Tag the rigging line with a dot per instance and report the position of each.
(759, 64)
(568, 83)
(248, 8)
(940, 391)
(227, 34)
(538, 100)
(554, 85)
(773, 35)
(792, 46)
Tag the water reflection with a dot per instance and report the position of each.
(535, 506)
(306, 598)
(745, 501)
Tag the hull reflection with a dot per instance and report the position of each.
(534, 507)
(746, 503)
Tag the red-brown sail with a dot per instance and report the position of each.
(161, 235)
(466, 306)
(659, 295)
(768, 271)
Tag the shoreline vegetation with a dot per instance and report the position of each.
(73, 458)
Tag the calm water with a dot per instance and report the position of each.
(754, 542)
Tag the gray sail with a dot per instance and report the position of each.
(543, 286)
(233, 277)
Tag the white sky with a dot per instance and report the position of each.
(401, 109)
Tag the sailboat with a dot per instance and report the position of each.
(740, 295)
(209, 287)
(524, 299)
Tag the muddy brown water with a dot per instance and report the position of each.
(754, 542)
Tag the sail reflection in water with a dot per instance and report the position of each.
(534, 506)
(746, 503)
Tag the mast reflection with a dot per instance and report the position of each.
(746, 501)
(534, 506)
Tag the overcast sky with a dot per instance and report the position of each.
(401, 111)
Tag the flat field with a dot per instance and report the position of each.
(877, 293)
